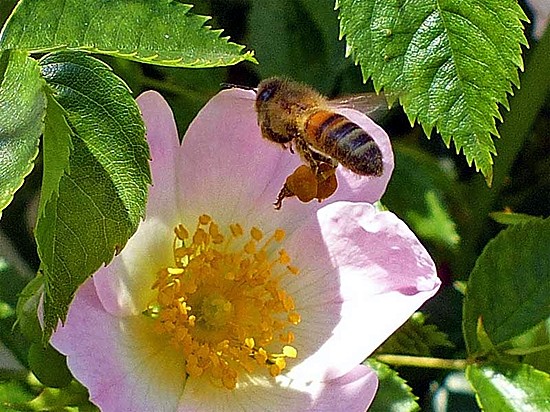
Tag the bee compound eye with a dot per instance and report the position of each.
(266, 94)
(267, 91)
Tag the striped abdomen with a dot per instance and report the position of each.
(340, 138)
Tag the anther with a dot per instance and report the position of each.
(256, 234)
(204, 219)
(236, 230)
(181, 232)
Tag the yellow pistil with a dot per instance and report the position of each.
(222, 304)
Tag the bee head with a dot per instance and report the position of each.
(267, 90)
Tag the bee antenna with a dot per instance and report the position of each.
(225, 86)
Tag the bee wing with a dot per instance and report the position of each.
(373, 105)
(224, 86)
(240, 92)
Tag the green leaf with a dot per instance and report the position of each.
(438, 224)
(49, 366)
(393, 392)
(102, 194)
(27, 309)
(510, 387)
(423, 198)
(511, 218)
(486, 345)
(508, 287)
(23, 105)
(534, 346)
(55, 151)
(414, 337)
(156, 32)
(450, 62)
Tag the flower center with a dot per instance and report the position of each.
(222, 304)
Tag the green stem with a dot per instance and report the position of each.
(422, 362)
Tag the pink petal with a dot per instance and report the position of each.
(352, 392)
(226, 165)
(316, 292)
(162, 137)
(124, 366)
(124, 286)
(362, 240)
(252, 395)
(374, 276)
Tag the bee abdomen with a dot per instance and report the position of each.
(345, 141)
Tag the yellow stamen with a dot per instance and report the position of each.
(204, 219)
(290, 351)
(222, 305)
(279, 235)
(181, 232)
(294, 318)
(249, 342)
(287, 337)
(256, 234)
(236, 230)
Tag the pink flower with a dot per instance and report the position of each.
(246, 308)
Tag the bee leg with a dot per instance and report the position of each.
(327, 183)
(307, 154)
(312, 157)
(325, 171)
(320, 159)
(289, 147)
(283, 193)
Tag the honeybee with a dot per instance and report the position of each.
(297, 117)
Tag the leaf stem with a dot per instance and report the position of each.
(422, 362)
